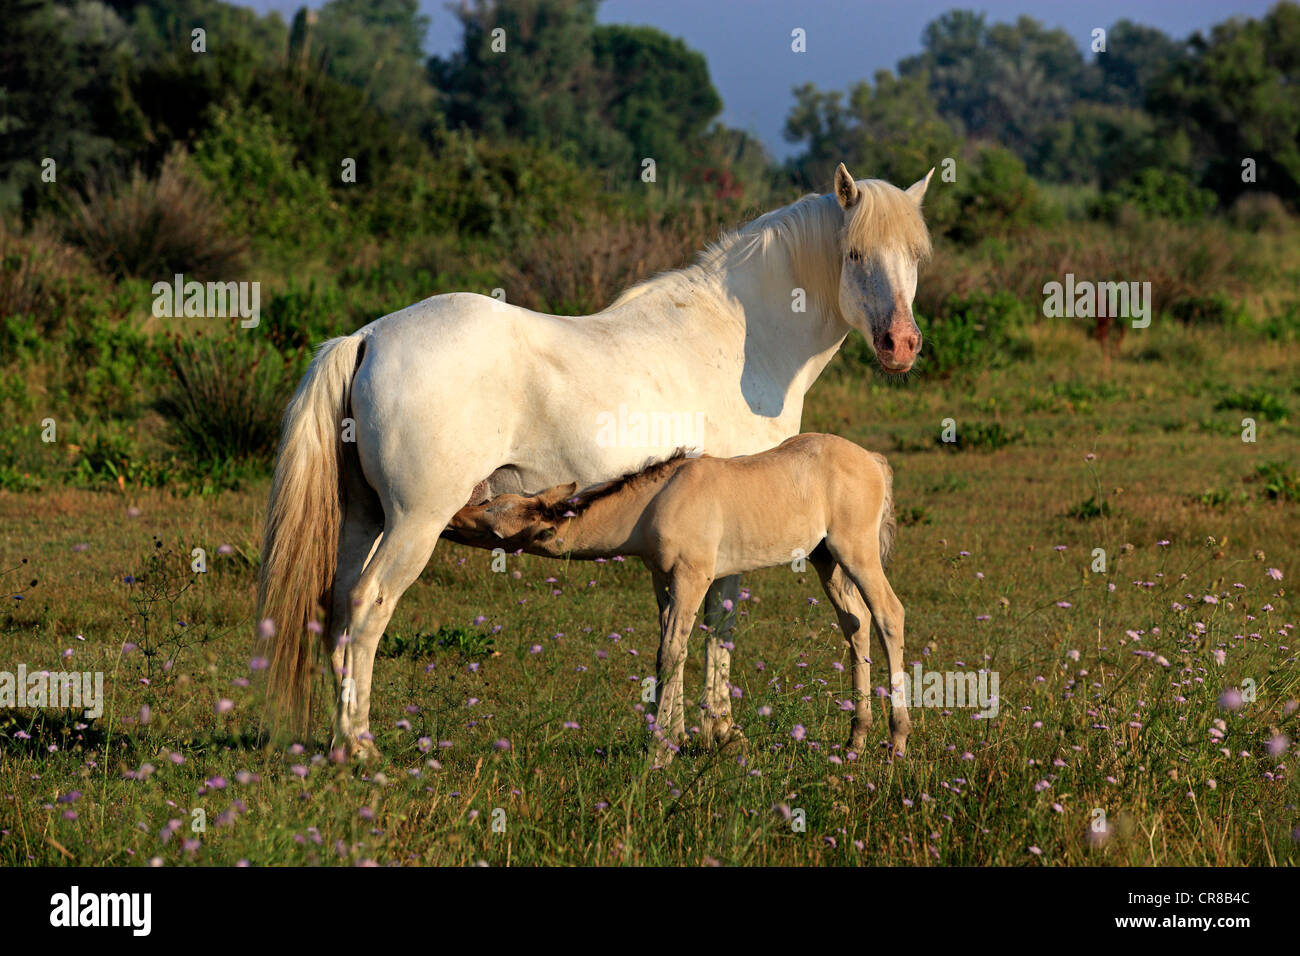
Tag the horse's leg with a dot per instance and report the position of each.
(862, 563)
(685, 590)
(408, 541)
(363, 523)
(715, 719)
(855, 624)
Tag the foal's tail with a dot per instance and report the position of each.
(300, 542)
(888, 525)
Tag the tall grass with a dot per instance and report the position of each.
(224, 399)
(155, 227)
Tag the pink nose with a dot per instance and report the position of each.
(897, 349)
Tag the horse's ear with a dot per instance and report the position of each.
(553, 496)
(846, 190)
(918, 188)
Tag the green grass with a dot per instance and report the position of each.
(1110, 703)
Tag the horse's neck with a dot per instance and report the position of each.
(793, 326)
(609, 525)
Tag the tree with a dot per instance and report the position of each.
(526, 70)
(60, 95)
(660, 95)
(1235, 95)
(1136, 58)
(374, 45)
(889, 130)
(1009, 83)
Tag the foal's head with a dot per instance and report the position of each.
(517, 521)
(883, 239)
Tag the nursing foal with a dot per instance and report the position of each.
(692, 520)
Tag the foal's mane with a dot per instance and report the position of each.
(810, 232)
(589, 496)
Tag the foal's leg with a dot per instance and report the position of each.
(855, 624)
(715, 720)
(862, 563)
(685, 590)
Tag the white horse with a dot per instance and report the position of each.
(461, 397)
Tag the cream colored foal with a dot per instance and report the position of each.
(692, 520)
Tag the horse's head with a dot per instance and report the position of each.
(517, 521)
(884, 237)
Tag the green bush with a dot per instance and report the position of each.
(983, 436)
(1279, 481)
(1212, 309)
(1160, 193)
(1256, 401)
(504, 191)
(251, 166)
(465, 641)
(303, 316)
(970, 332)
(1090, 508)
(997, 198)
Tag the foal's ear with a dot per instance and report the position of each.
(846, 190)
(553, 496)
(918, 188)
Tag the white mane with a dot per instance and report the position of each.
(812, 236)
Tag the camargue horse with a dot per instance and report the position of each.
(692, 520)
(462, 397)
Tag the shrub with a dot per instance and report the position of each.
(250, 165)
(970, 332)
(225, 399)
(986, 436)
(1213, 309)
(1259, 212)
(1161, 193)
(299, 316)
(1256, 401)
(463, 640)
(1090, 508)
(576, 268)
(1278, 481)
(42, 279)
(997, 198)
(155, 228)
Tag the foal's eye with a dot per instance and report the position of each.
(855, 255)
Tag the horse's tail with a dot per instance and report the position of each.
(300, 541)
(888, 524)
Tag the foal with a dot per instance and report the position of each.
(692, 520)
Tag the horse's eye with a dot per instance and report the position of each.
(855, 255)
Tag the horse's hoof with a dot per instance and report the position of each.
(363, 751)
(731, 739)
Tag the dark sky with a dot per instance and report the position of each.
(747, 42)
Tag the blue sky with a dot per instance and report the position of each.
(747, 42)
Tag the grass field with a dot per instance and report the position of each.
(508, 705)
